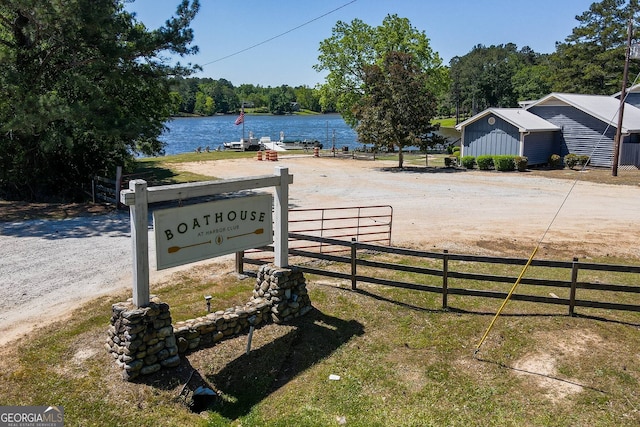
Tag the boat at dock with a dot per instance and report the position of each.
(245, 144)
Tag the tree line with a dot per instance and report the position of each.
(207, 96)
(85, 86)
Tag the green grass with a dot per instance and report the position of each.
(449, 122)
(163, 171)
(402, 361)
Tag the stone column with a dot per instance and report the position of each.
(141, 339)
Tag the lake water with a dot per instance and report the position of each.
(185, 134)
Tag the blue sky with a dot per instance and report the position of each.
(223, 28)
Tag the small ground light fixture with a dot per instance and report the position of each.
(208, 299)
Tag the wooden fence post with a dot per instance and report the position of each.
(239, 263)
(118, 185)
(445, 278)
(574, 282)
(353, 263)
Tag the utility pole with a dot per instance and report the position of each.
(633, 6)
(623, 97)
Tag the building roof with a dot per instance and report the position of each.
(632, 89)
(518, 117)
(602, 107)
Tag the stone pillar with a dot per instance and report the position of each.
(141, 339)
(285, 289)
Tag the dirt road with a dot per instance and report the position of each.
(48, 267)
(464, 210)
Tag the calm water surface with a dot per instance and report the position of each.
(186, 134)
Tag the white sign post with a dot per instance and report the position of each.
(138, 196)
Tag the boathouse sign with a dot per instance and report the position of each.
(207, 230)
(232, 222)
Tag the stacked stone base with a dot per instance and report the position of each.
(285, 291)
(143, 340)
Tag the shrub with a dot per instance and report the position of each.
(504, 163)
(468, 161)
(485, 162)
(555, 161)
(455, 150)
(583, 160)
(571, 160)
(521, 163)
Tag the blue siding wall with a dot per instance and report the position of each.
(630, 151)
(633, 98)
(581, 133)
(481, 138)
(539, 146)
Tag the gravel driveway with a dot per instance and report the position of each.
(48, 267)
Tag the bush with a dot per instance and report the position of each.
(468, 161)
(485, 162)
(571, 160)
(504, 163)
(555, 161)
(450, 161)
(455, 150)
(521, 163)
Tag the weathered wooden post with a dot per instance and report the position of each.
(445, 279)
(281, 219)
(118, 185)
(140, 240)
(574, 284)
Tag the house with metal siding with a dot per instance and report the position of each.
(560, 124)
(588, 126)
(508, 131)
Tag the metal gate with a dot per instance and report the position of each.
(364, 224)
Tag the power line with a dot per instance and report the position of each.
(281, 34)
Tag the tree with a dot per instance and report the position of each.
(398, 106)
(355, 46)
(591, 60)
(532, 82)
(204, 105)
(485, 76)
(280, 100)
(84, 89)
(308, 98)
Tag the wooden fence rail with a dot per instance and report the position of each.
(350, 257)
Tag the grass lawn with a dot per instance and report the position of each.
(401, 360)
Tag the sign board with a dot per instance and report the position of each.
(634, 51)
(207, 230)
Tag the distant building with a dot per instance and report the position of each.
(559, 123)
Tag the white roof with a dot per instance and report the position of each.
(518, 117)
(602, 107)
(632, 89)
